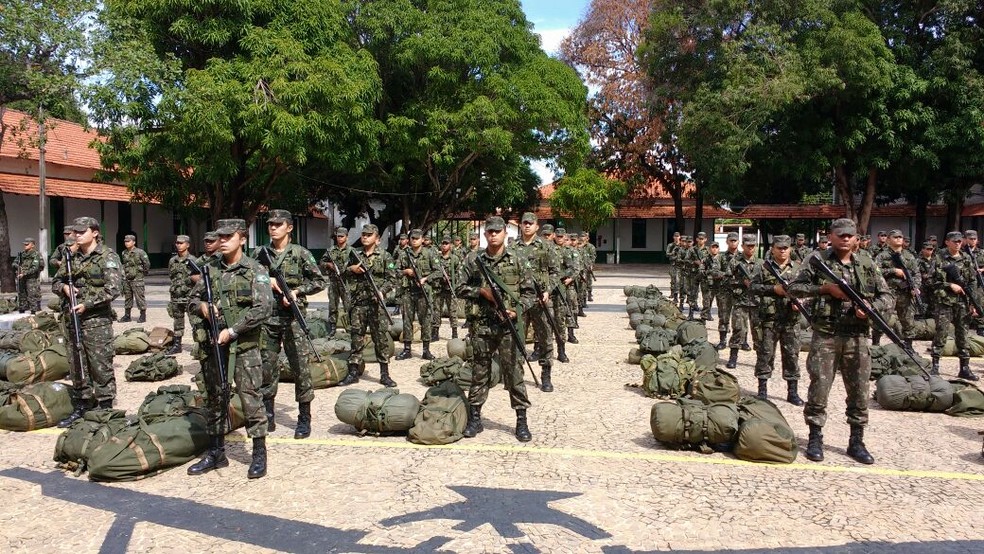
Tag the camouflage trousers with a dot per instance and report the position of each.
(743, 320)
(688, 289)
(706, 298)
(99, 381)
(957, 315)
(784, 334)
(543, 339)
(177, 308)
(29, 294)
(365, 314)
(830, 354)
(134, 290)
(905, 309)
(336, 302)
(416, 310)
(582, 290)
(725, 307)
(674, 282)
(444, 304)
(247, 375)
(277, 332)
(561, 313)
(492, 339)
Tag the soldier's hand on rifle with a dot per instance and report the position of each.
(204, 310)
(225, 337)
(408, 272)
(357, 269)
(957, 289)
(831, 289)
(511, 314)
(899, 273)
(285, 302)
(80, 308)
(69, 291)
(546, 297)
(568, 280)
(779, 290)
(486, 293)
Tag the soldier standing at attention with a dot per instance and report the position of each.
(952, 304)
(879, 245)
(97, 279)
(717, 276)
(566, 271)
(300, 271)
(334, 260)
(888, 261)
(444, 287)
(418, 305)
(474, 242)
(490, 335)
(245, 301)
(365, 311)
(777, 319)
(55, 260)
(839, 342)
(700, 277)
(822, 243)
(927, 262)
(539, 263)
(590, 255)
(686, 273)
(181, 285)
(27, 268)
(972, 250)
(458, 246)
(801, 251)
(744, 313)
(671, 253)
(136, 264)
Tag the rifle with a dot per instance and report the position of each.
(500, 310)
(872, 314)
(264, 258)
(367, 274)
(225, 389)
(550, 317)
(977, 268)
(773, 268)
(952, 273)
(447, 279)
(916, 298)
(562, 294)
(77, 347)
(416, 278)
(338, 278)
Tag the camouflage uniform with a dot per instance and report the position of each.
(444, 299)
(418, 304)
(927, 267)
(365, 312)
(719, 273)
(744, 314)
(541, 265)
(590, 256)
(671, 257)
(699, 284)
(27, 267)
(799, 252)
(136, 264)
(337, 295)
(565, 306)
(181, 285)
(901, 289)
(777, 320)
(952, 308)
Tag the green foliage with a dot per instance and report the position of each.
(587, 196)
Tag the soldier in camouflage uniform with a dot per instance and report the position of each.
(245, 301)
(801, 250)
(696, 263)
(334, 260)
(55, 260)
(366, 311)
(181, 285)
(777, 319)
(685, 266)
(474, 243)
(136, 264)
(888, 261)
(671, 257)
(881, 244)
(300, 271)
(540, 264)
(952, 303)
(822, 243)
(590, 255)
(97, 279)
(839, 342)
(565, 299)
(27, 269)
(418, 305)
(458, 247)
(491, 336)
(744, 312)
(976, 255)
(444, 299)
(927, 262)
(403, 284)
(719, 272)
(579, 281)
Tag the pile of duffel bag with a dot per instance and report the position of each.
(33, 350)
(916, 393)
(33, 406)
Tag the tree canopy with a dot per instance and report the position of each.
(587, 196)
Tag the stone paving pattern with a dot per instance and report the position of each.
(591, 439)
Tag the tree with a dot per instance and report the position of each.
(587, 196)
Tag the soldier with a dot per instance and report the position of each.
(491, 336)
(27, 268)
(458, 246)
(719, 274)
(210, 242)
(418, 304)
(743, 314)
(953, 304)
(699, 255)
(245, 301)
(822, 243)
(448, 263)
(334, 260)
(671, 253)
(839, 342)
(474, 242)
(777, 321)
(927, 262)
(888, 262)
(55, 260)
(97, 279)
(136, 265)
(881, 244)
(801, 251)
(683, 269)
(301, 273)
(365, 309)
(181, 285)
(977, 261)
(566, 271)
(540, 263)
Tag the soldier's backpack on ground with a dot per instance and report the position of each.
(690, 331)
(85, 434)
(442, 417)
(666, 375)
(160, 338)
(382, 411)
(171, 401)
(44, 321)
(711, 385)
(658, 341)
(36, 340)
(975, 344)
(889, 359)
(764, 435)
(35, 406)
(702, 353)
(324, 374)
(440, 370)
(153, 367)
(968, 400)
(913, 393)
(50, 364)
(132, 341)
(691, 424)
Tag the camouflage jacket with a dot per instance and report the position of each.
(98, 278)
(427, 268)
(694, 258)
(449, 267)
(540, 259)
(799, 253)
(55, 260)
(136, 264)
(887, 265)
(719, 271)
(180, 274)
(243, 295)
(339, 257)
(771, 306)
(28, 264)
(743, 269)
(381, 265)
(940, 281)
(566, 263)
(301, 272)
(508, 267)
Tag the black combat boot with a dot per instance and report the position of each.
(331, 329)
(81, 407)
(580, 311)
(690, 316)
(435, 335)
(214, 457)
(570, 336)
(965, 372)
(258, 467)
(723, 343)
(562, 353)
(384, 375)
(405, 354)
(545, 384)
(427, 352)
(522, 429)
(707, 317)
(855, 446)
(105, 404)
(175, 346)
(454, 331)
(303, 428)
(534, 354)
(792, 393)
(590, 297)
(143, 317)
(763, 391)
(732, 359)
(935, 369)
(746, 347)
(352, 377)
(814, 448)
(268, 406)
(125, 318)
(875, 338)
(474, 425)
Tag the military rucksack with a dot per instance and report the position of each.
(666, 375)
(712, 385)
(690, 331)
(440, 370)
(36, 340)
(968, 400)
(691, 424)
(913, 393)
(91, 430)
(50, 364)
(35, 406)
(153, 367)
(382, 411)
(132, 341)
(764, 435)
(442, 417)
(44, 321)
(658, 341)
(702, 353)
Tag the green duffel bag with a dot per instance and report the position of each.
(642, 330)
(439, 370)
(330, 347)
(659, 341)
(382, 411)
(690, 331)
(85, 434)
(151, 446)
(318, 327)
(442, 417)
(50, 364)
(132, 341)
(369, 352)
(5, 357)
(152, 368)
(634, 309)
(913, 393)
(764, 435)
(713, 385)
(666, 375)
(691, 424)
(328, 373)
(635, 356)
(634, 291)
(968, 400)
(36, 340)
(171, 401)
(460, 348)
(635, 320)
(11, 340)
(35, 406)
(702, 353)
(44, 321)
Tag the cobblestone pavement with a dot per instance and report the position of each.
(592, 480)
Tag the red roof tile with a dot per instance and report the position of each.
(68, 143)
(28, 185)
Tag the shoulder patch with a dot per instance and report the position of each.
(391, 265)
(262, 278)
(111, 264)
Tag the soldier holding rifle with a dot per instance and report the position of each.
(954, 284)
(334, 260)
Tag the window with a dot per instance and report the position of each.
(638, 233)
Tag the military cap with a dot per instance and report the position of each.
(404, 236)
(714, 245)
(702, 235)
(416, 233)
(906, 238)
(676, 233)
(238, 224)
(584, 234)
(782, 241)
(81, 224)
(749, 239)
(340, 231)
(474, 234)
(822, 238)
(800, 236)
(560, 232)
(884, 234)
(494, 223)
(732, 236)
(279, 216)
(68, 229)
(928, 244)
(130, 237)
(970, 234)
(844, 226)
(932, 237)
(186, 238)
(446, 238)
(546, 228)
(369, 229)
(954, 235)
(895, 233)
(528, 216)
(29, 240)
(685, 238)
(211, 235)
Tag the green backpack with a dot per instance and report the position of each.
(764, 435)
(968, 400)
(711, 385)
(132, 341)
(691, 424)
(658, 341)
(171, 401)
(153, 445)
(690, 331)
(442, 417)
(50, 364)
(153, 367)
(702, 353)
(382, 411)
(44, 321)
(35, 406)
(440, 370)
(666, 375)
(85, 434)
(913, 393)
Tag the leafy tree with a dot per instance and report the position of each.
(587, 196)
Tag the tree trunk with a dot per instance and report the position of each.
(6, 270)
(842, 181)
(677, 194)
(699, 209)
(867, 201)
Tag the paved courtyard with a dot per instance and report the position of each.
(593, 479)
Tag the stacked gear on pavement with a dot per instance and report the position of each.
(34, 406)
(384, 411)
(153, 368)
